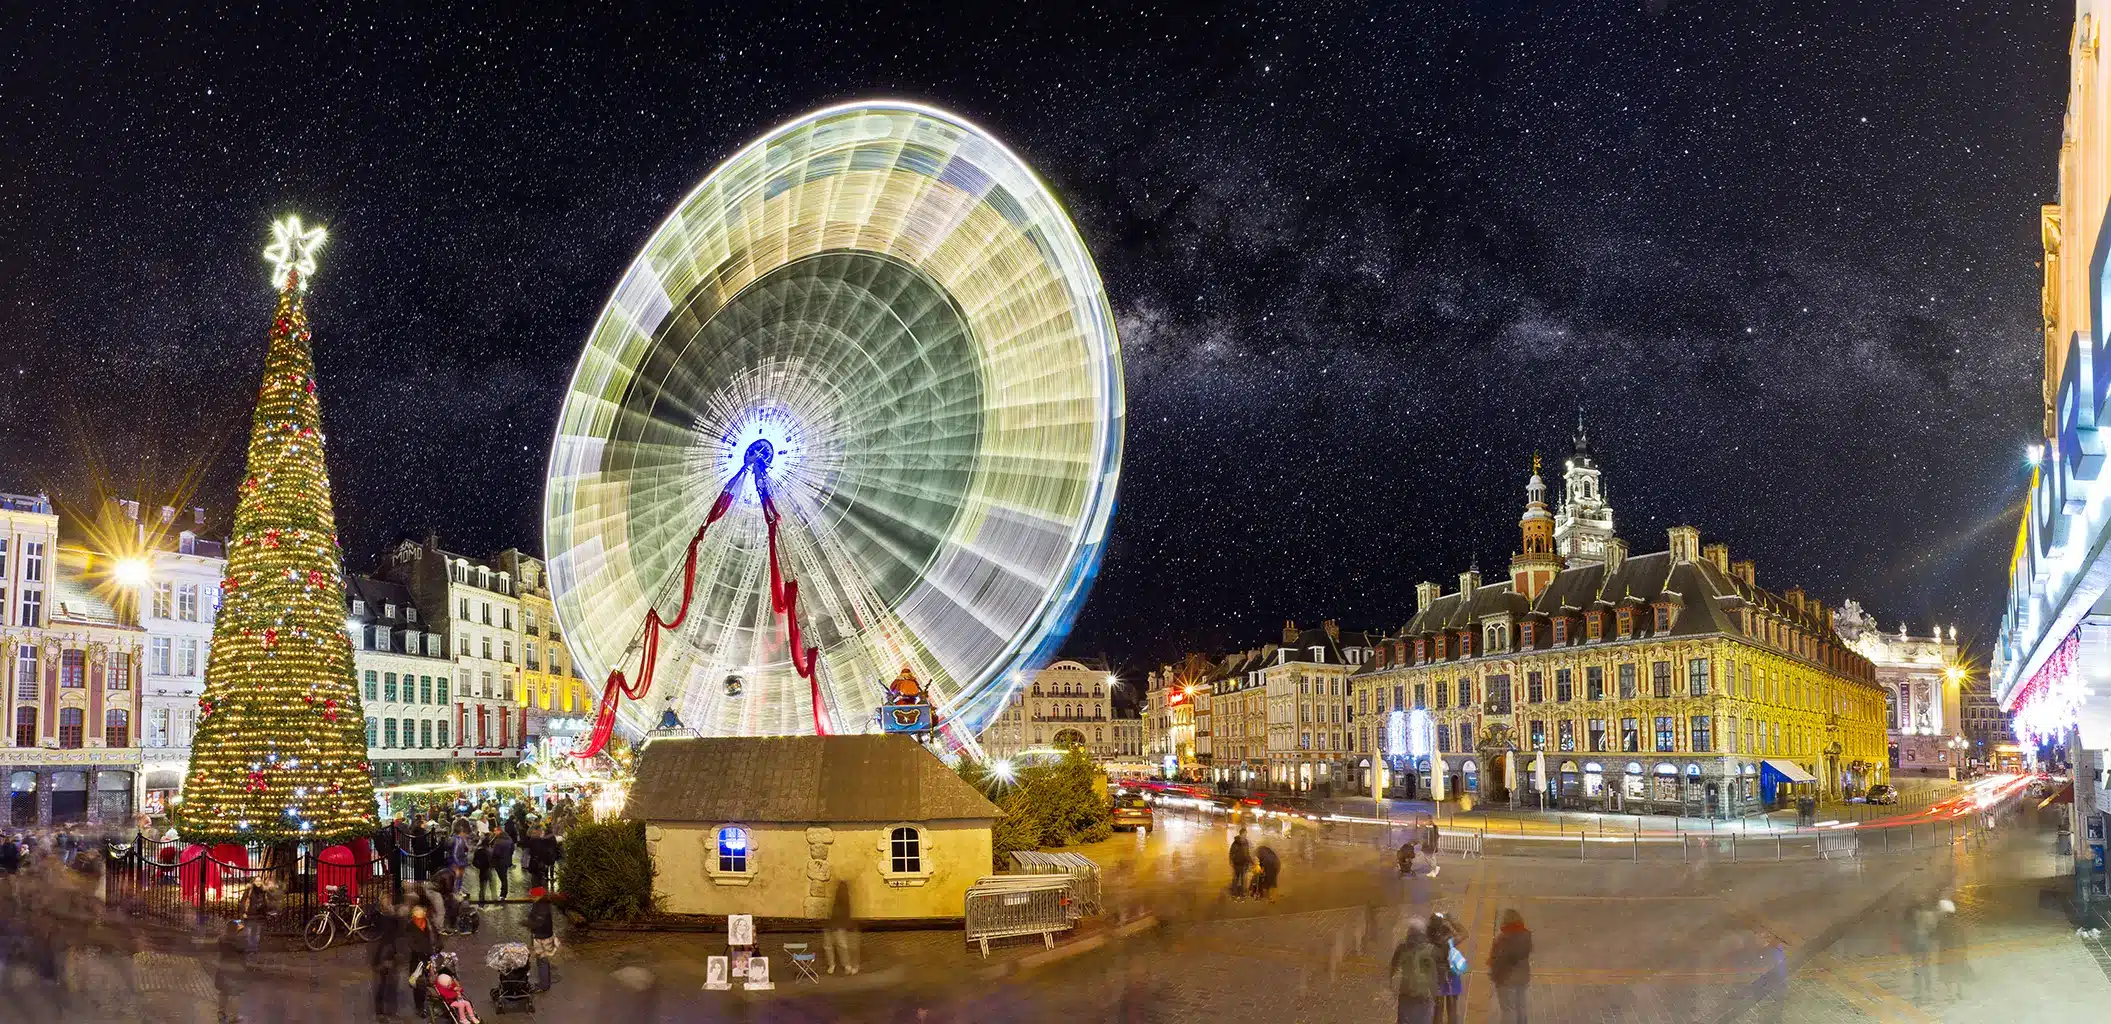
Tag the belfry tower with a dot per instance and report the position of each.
(1585, 523)
(1534, 567)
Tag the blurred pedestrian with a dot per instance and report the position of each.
(1950, 945)
(1414, 977)
(229, 965)
(1241, 862)
(1510, 967)
(10, 855)
(840, 941)
(1445, 938)
(1271, 870)
(1406, 858)
(419, 942)
(385, 955)
(481, 858)
(542, 936)
(1921, 921)
(502, 860)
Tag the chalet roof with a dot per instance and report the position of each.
(812, 779)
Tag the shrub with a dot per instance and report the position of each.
(606, 873)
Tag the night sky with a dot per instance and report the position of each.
(1365, 261)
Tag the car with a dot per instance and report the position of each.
(1882, 794)
(1130, 812)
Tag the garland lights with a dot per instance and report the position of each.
(2050, 702)
(280, 751)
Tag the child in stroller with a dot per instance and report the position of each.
(515, 989)
(442, 978)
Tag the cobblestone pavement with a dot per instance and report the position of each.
(1648, 942)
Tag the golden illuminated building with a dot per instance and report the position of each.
(1666, 682)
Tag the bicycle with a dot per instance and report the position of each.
(338, 915)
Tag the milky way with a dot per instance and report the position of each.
(1365, 262)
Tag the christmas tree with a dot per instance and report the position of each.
(280, 751)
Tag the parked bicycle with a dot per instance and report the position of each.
(339, 918)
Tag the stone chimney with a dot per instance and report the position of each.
(1469, 581)
(1794, 597)
(1426, 594)
(1290, 632)
(1615, 556)
(1720, 555)
(1333, 628)
(1685, 544)
(1744, 569)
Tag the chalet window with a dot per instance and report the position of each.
(733, 850)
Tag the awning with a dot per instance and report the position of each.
(1789, 770)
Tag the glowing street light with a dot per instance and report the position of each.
(131, 572)
(2033, 454)
(1004, 771)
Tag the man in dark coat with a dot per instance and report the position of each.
(502, 859)
(1271, 869)
(1241, 863)
(1510, 967)
(385, 955)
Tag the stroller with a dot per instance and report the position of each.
(437, 1008)
(515, 990)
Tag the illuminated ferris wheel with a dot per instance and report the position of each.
(856, 407)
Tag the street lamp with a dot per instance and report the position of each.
(131, 572)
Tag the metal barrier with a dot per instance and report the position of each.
(1460, 844)
(191, 884)
(1084, 875)
(1004, 906)
(1839, 844)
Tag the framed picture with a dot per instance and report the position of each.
(740, 930)
(715, 974)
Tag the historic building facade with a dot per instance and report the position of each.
(1667, 681)
(478, 610)
(406, 682)
(73, 651)
(177, 604)
(1923, 680)
(1067, 704)
(554, 694)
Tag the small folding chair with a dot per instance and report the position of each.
(802, 958)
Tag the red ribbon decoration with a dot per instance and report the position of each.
(784, 599)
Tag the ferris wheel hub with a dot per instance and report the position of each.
(759, 455)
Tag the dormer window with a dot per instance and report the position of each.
(1495, 639)
(1421, 651)
(1466, 643)
(388, 609)
(1663, 618)
(1627, 622)
(410, 613)
(1440, 648)
(358, 606)
(1319, 654)
(1561, 631)
(1529, 635)
(1595, 624)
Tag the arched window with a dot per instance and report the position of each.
(71, 728)
(905, 850)
(117, 728)
(733, 850)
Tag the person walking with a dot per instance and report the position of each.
(230, 964)
(10, 855)
(481, 858)
(1445, 938)
(1414, 976)
(1241, 863)
(420, 940)
(840, 940)
(385, 955)
(1271, 870)
(1510, 967)
(1952, 956)
(459, 854)
(1921, 921)
(502, 861)
(542, 936)
(1406, 858)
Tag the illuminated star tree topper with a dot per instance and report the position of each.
(292, 251)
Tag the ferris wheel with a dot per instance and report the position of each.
(856, 408)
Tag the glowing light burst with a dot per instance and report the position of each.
(896, 304)
(292, 250)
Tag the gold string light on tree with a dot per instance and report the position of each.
(280, 749)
